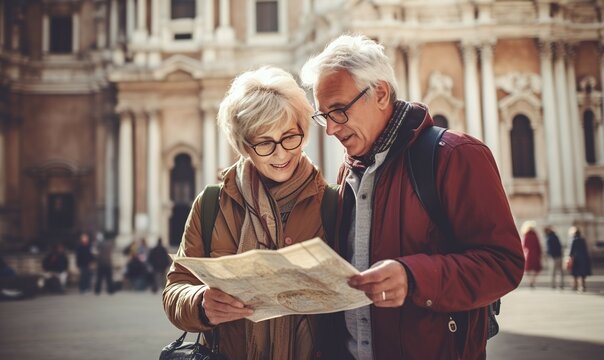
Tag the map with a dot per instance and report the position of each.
(305, 278)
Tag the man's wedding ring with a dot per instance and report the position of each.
(383, 296)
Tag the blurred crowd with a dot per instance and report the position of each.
(575, 261)
(144, 269)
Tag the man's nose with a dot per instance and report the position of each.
(332, 127)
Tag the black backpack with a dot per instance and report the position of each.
(422, 162)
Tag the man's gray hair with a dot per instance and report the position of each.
(362, 57)
(260, 101)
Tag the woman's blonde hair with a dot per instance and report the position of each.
(258, 102)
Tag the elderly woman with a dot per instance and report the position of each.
(270, 198)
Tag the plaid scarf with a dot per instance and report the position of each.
(262, 227)
(359, 164)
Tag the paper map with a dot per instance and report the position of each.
(305, 278)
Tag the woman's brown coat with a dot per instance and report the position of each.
(179, 297)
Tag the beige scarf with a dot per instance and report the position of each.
(262, 228)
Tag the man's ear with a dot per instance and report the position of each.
(382, 94)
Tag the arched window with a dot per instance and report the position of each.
(182, 193)
(182, 180)
(588, 132)
(440, 120)
(523, 148)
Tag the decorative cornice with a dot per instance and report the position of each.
(57, 168)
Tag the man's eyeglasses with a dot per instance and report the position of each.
(267, 147)
(337, 115)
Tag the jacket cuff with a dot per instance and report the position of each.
(410, 278)
(201, 311)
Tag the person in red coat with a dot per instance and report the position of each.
(421, 282)
(532, 252)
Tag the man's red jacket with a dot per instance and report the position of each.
(484, 263)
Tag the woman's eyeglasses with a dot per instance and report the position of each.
(267, 147)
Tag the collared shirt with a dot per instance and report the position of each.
(358, 321)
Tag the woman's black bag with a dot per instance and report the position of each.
(181, 350)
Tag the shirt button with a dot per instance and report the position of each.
(289, 240)
(365, 342)
(428, 302)
(364, 196)
(364, 320)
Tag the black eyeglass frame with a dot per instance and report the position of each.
(318, 117)
(275, 143)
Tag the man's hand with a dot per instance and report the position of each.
(221, 307)
(385, 283)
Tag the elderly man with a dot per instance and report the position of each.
(420, 281)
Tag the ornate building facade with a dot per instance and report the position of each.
(108, 107)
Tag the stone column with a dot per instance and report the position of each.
(129, 19)
(224, 149)
(208, 19)
(210, 169)
(550, 125)
(126, 179)
(400, 72)
(490, 113)
(225, 31)
(45, 33)
(566, 153)
(472, 98)
(141, 21)
(101, 28)
(75, 47)
(154, 174)
(110, 177)
(141, 212)
(576, 140)
(113, 24)
(155, 19)
(413, 58)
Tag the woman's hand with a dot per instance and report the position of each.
(221, 307)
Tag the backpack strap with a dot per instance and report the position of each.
(329, 207)
(422, 161)
(209, 210)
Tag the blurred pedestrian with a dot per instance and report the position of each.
(554, 251)
(581, 263)
(104, 265)
(136, 273)
(55, 265)
(84, 259)
(532, 252)
(159, 261)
